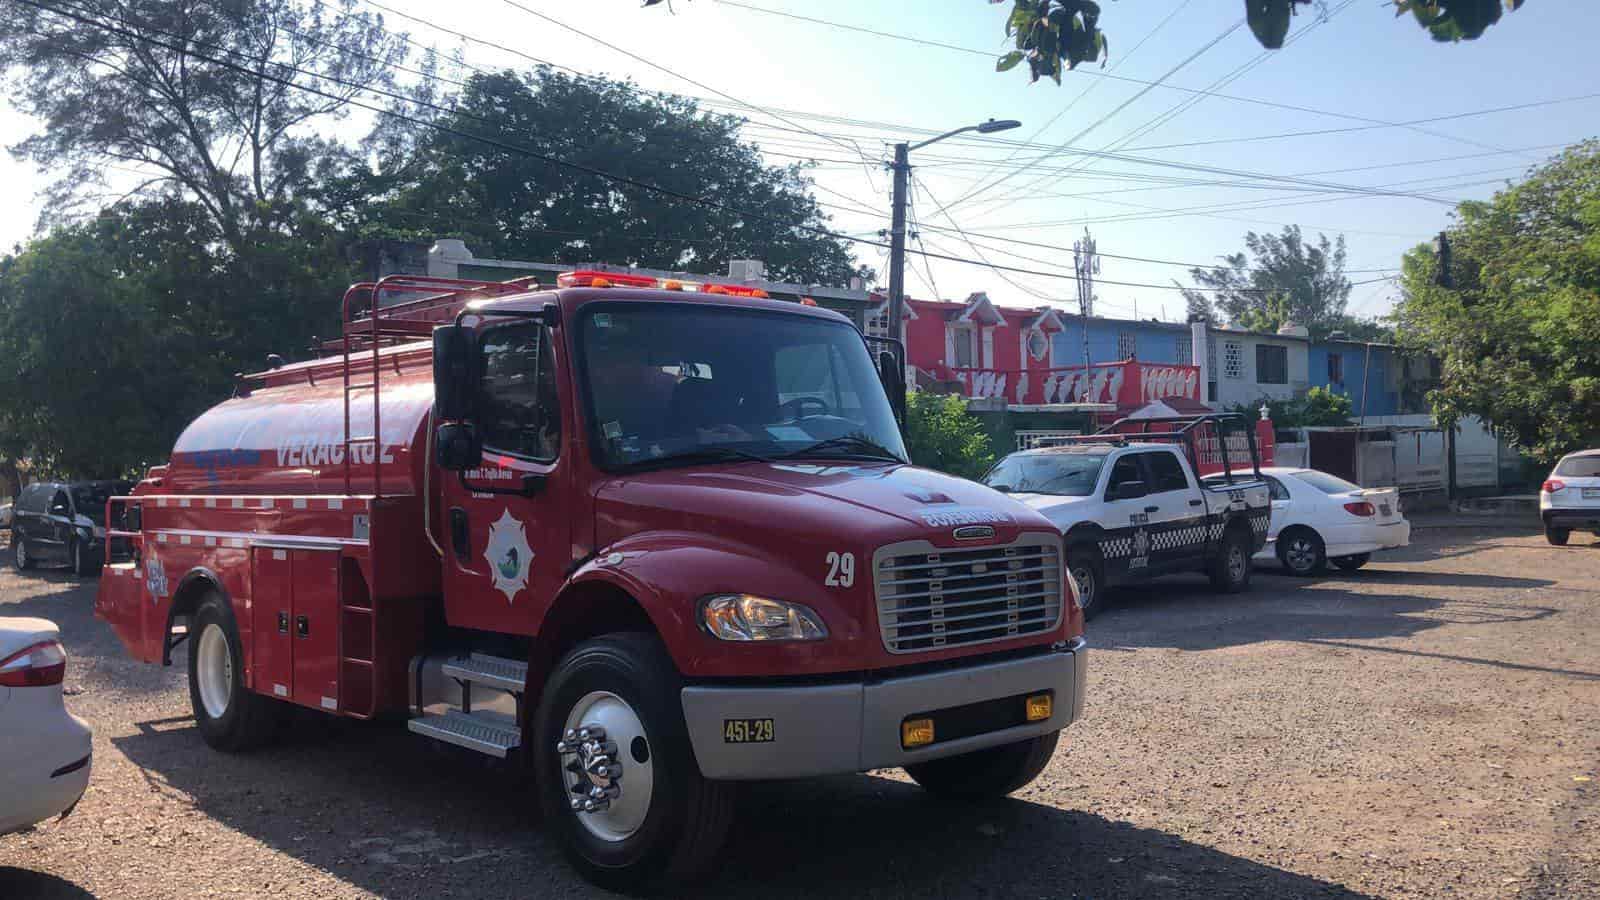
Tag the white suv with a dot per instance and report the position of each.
(1570, 497)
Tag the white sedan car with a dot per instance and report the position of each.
(1570, 498)
(45, 750)
(1319, 518)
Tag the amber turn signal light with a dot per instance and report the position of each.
(916, 733)
(1040, 706)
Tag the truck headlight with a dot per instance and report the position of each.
(746, 617)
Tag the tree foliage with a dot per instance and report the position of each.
(1518, 331)
(1052, 35)
(941, 434)
(510, 204)
(119, 330)
(204, 95)
(1319, 406)
(1279, 278)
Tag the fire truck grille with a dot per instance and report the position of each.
(931, 598)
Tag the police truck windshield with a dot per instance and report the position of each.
(1070, 473)
(684, 383)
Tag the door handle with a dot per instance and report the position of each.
(302, 626)
(1197, 502)
(283, 623)
(1152, 509)
(458, 533)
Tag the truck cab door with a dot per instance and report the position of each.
(507, 524)
(1125, 521)
(1177, 524)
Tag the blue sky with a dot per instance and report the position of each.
(1358, 62)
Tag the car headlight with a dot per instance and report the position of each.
(746, 617)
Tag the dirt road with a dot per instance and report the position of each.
(1428, 726)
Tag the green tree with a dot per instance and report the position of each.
(1517, 331)
(1319, 406)
(1053, 36)
(206, 96)
(1278, 279)
(119, 330)
(941, 434)
(440, 183)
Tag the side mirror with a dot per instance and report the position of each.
(457, 446)
(1129, 490)
(893, 378)
(454, 374)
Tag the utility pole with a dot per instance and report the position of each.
(1086, 264)
(897, 217)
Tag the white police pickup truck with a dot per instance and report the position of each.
(1132, 506)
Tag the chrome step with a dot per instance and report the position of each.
(490, 671)
(495, 735)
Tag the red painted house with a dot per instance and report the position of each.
(997, 351)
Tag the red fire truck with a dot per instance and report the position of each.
(649, 538)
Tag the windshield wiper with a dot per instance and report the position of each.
(854, 442)
(705, 454)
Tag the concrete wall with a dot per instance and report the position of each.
(1376, 379)
(1246, 389)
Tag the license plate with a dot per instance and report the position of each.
(747, 731)
(1383, 509)
(1591, 493)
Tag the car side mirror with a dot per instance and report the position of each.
(455, 381)
(893, 378)
(1129, 490)
(457, 446)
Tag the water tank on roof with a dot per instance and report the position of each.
(1290, 329)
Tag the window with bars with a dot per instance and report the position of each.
(1233, 359)
(1272, 364)
(878, 323)
(1185, 351)
(1125, 345)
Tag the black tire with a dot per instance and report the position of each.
(688, 816)
(249, 719)
(20, 557)
(1353, 562)
(1302, 552)
(1088, 569)
(994, 772)
(1557, 536)
(82, 563)
(1230, 568)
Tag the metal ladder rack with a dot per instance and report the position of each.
(398, 323)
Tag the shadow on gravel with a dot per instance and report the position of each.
(24, 883)
(391, 814)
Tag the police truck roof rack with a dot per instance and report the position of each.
(1180, 430)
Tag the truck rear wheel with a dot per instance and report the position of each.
(617, 776)
(994, 772)
(1557, 536)
(1230, 570)
(230, 716)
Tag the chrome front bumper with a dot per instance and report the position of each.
(834, 729)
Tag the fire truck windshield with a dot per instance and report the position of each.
(685, 384)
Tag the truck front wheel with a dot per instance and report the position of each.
(617, 775)
(994, 772)
(1089, 572)
(230, 716)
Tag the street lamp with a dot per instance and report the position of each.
(897, 227)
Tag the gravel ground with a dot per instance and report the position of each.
(1426, 727)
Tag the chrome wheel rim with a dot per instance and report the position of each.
(1084, 576)
(626, 774)
(1236, 563)
(1300, 554)
(22, 553)
(214, 671)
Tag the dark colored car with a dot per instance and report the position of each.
(62, 523)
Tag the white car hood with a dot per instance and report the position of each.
(1053, 506)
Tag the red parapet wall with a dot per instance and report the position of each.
(1126, 384)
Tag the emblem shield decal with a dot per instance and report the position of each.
(508, 555)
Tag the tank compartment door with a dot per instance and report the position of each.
(294, 614)
(272, 622)
(316, 628)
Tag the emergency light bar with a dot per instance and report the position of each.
(595, 279)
